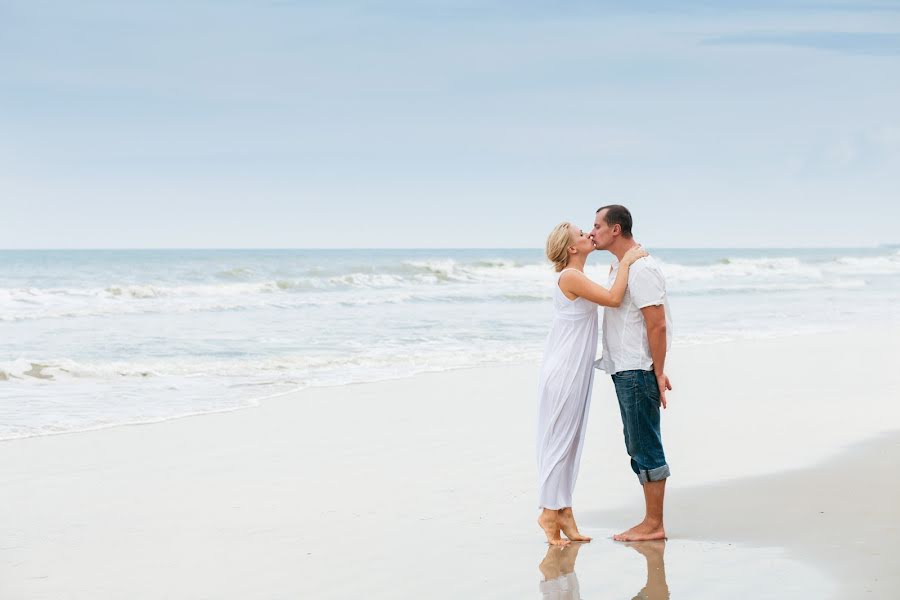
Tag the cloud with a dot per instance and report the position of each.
(865, 43)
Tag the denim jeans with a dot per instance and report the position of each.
(638, 395)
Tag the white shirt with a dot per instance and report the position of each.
(625, 344)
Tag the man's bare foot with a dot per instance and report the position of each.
(548, 522)
(641, 532)
(568, 526)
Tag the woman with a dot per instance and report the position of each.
(567, 375)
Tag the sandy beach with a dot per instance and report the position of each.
(784, 454)
(276, 279)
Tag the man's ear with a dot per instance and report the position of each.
(617, 229)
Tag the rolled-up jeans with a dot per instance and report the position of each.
(638, 394)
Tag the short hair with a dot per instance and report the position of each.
(558, 243)
(616, 214)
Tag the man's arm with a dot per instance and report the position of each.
(655, 320)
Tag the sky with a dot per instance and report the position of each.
(289, 124)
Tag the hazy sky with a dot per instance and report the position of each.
(233, 123)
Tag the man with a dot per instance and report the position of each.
(636, 337)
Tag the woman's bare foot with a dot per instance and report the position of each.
(646, 530)
(550, 524)
(568, 526)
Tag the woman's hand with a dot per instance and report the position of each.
(635, 253)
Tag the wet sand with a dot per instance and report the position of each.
(425, 487)
(842, 515)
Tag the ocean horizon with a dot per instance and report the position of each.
(104, 337)
(875, 246)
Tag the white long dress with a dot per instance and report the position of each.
(567, 376)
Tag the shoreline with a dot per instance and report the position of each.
(418, 483)
(255, 402)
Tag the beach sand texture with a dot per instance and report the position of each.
(784, 452)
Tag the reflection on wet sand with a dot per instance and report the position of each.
(560, 582)
(656, 587)
(558, 569)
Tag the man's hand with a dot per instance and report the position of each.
(662, 380)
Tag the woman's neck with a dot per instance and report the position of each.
(577, 263)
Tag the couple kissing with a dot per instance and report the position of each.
(636, 334)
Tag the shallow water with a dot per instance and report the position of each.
(688, 569)
(676, 569)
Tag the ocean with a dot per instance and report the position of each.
(98, 338)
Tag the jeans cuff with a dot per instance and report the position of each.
(657, 474)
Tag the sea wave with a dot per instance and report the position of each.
(765, 269)
(725, 287)
(300, 369)
(26, 304)
(451, 270)
(876, 265)
(46, 396)
(499, 280)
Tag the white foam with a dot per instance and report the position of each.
(103, 394)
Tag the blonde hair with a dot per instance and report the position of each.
(558, 243)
